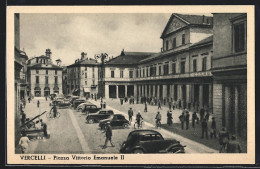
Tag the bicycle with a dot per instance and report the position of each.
(51, 114)
(140, 126)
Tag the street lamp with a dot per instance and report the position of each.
(103, 57)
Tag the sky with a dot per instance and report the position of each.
(67, 35)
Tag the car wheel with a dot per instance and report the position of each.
(125, 125)
(138, 151)
(90, 121)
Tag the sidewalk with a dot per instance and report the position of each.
(192, 133)
(31, 110)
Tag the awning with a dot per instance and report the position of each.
(86, 89)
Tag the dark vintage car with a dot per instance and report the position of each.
(150, 141)
(73, 98)
(61, 103)
(77, 102)
(88, 108)
(118, 120)
(100, 115)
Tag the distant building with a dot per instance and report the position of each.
(65, 86)
(229, 67)
(180, 72)
(44, 77)
(82, 77)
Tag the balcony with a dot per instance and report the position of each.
(93, 86)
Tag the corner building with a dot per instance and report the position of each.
(180, 72)
(229, 67)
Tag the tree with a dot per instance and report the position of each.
(103, 57)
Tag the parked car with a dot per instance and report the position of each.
(78, 102)
(62, 103)
(118, 120)
(90, 108)
(150, 141)
(73, 98)
(100, 115)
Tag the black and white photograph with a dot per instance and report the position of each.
(90, 86)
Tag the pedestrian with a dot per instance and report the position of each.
(46, 98)
(202, 111)
(223, 140)
(213, 131)
(158, 119)
(159, 104)
(173, 105)
(29, 99)
(170, 106)
(21, 107)
(108, 132)
(24, 102)
(130, 114)
(169, 117)
(23, 142)
(23, 118)
(233, 146)
(182, 119)
(194, 117)
(187, 119)
(38, 103)
(145, 107)
(44, 127)
(204, 126)
(207, 116)
(122, 101)
(179, 103)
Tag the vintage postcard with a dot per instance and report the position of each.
(130, 85)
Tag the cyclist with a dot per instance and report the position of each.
(138, 118)
(158, 119)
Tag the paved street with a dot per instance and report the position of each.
(71, 134)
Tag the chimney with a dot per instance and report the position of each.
(83, 55)
(203, 19)
(48, 53)
(123, 53)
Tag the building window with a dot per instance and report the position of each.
(112, 73)
(160, 71)
(167, 45)
(183, 39)
(239, 37)
(140, 73)
(166, 69)
(93, 82)
(37, 71)
(195, 65)
(121, 74)
(155, 71)
(204, 64)
(183, 67)
(147, 72)
(56, 72)
(47, 72)
(56, 80)
(86, 82)
(130, 74)
(37, 79)
(136, 72)
(93, 72)
(173, 68)
(46, 80)
(143, 72)
(174, 43)
(86, 75)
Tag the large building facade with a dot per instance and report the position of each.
(180, 72)
(44, 77)
(229, 67)
(83, 77)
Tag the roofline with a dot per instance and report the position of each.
(81, 65)
(202, 44)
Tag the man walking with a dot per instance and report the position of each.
(187, 119)
(202, 111)
(158, 119)
(108, 136)
(130, 114)
(233, 146)
(145, 107)
(38, 103)
(194, 117)
(182, 119)
(213, 131)
(159, 104)
(44, 127)
(204, 127)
